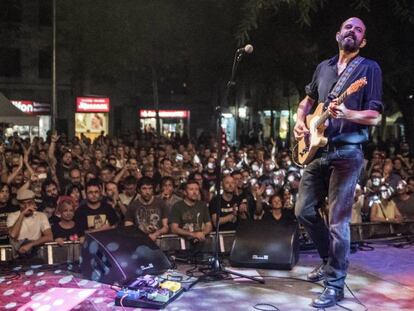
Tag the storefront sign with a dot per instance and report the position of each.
(92, 104)
(180, 114)
(31, 107)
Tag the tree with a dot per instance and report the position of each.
(314, 23)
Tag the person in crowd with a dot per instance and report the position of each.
(107, 173)
(357, 205)
(275, 212)
(410, 185)
(76, 192)
(66, 229)
(190, 218)
(383, 208)
(6, 208)
(390, 177)
(112, 196)
(27, 227)
(148, 212)
(129, 192)
(404, 201)
(167, 193)
(95, 213)
(227, 206)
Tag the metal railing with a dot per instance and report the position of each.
(52, 253)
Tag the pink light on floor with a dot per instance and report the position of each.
(57, 298)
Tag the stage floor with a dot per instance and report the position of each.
(382, 279)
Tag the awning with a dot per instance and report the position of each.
(10, 114)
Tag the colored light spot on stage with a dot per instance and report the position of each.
(38, 297)
(58, 271)
(26, 294)
(66, 279)
(25, 283)
(40, 273)
(8, 292)
(29, 272)
(84, 293)
(2, 279)
(47, 298)
(99, 300)
(35, 305)
(83, 282)
(70, 290)
(17, 268)
(44, 308)
(35, 266)
(10, 305)
(40, 283)
(58, 302)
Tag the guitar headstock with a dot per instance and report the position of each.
(356, 86)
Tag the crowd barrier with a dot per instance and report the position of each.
(52, 253)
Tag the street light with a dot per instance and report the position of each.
(54, 98)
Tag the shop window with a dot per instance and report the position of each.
(45, 13)
(45, 64)
(10, 11)
(10, 62)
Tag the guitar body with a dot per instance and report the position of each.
(316, 123)
(309, 144)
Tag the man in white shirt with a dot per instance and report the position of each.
(28, 228)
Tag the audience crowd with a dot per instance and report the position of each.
(57, 189)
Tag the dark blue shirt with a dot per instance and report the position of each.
(368, 98)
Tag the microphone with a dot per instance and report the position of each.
(248, 49)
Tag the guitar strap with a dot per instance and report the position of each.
(337, 89)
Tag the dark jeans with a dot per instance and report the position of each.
(333, 174)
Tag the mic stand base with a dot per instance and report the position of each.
(217, 271)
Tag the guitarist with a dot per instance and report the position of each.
(335, 169)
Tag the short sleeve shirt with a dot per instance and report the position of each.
(190, 218)
(32, 226)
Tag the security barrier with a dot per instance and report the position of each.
(52, 253)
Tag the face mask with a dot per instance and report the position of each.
(376, 181)
(255, 167)
(210, 166)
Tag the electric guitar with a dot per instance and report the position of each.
(310, 143)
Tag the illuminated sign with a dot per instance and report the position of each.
(180, 114)
(31, 107)
(92, 104)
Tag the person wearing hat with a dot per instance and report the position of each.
(28, 227)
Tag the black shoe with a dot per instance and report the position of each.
(329, 297)
(317, 274)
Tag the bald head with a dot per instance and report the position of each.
(354, 21)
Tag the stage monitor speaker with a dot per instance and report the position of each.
(266, 244)
(120, 255)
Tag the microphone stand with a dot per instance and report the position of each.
(216, 270)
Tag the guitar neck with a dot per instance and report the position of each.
(325, 116)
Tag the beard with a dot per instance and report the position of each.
(348, 42)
